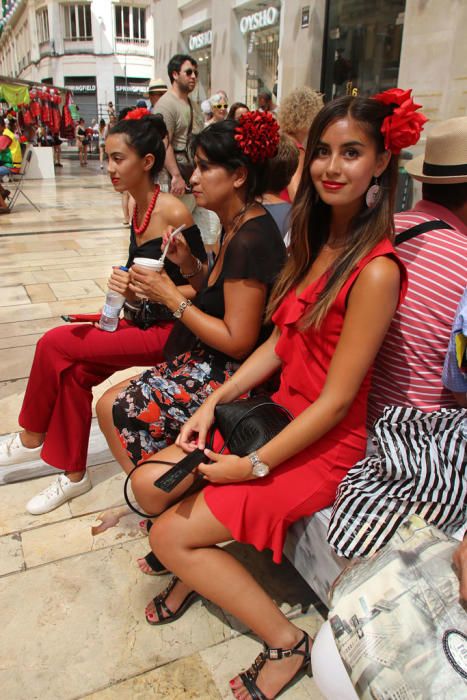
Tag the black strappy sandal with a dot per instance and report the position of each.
(164, 613)
(249, 677)
(156, 566)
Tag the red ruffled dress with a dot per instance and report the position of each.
(259, 512)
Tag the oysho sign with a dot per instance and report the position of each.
(199, 41)
(259, 20)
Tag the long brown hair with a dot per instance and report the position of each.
(310, 219)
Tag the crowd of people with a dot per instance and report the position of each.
(316, 294)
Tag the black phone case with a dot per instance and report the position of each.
(168, 481)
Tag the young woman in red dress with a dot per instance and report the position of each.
(331, 308)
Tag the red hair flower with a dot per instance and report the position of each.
(257, 135)
(403, 127)
(137, 113)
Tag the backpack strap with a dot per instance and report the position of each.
(415, 231)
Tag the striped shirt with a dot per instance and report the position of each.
(408, 368)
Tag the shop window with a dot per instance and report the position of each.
(78, 22)
(42, 23)
(362, 46)
(130, 23)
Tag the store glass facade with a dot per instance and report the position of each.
(199, 46)
(362, 46)
(260, 25)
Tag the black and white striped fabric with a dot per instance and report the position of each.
(419, 469)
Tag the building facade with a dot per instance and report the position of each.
(103, 51)
(109, 49)
(336, 46)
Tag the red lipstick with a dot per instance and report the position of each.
(330, 185)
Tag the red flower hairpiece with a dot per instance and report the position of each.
(403, 127)
(137, 113)
(257, 135)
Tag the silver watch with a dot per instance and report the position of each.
(258, 468)
(178, 313)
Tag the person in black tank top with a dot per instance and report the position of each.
(70, 360)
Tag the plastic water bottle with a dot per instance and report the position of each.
(111, 311)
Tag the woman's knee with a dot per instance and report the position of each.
(165, 537)
(147, 495)
(104, 407)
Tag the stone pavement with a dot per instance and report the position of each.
(73, 604)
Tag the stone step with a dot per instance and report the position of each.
(98, 453)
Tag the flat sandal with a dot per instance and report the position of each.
(249, 677)
(164, 614)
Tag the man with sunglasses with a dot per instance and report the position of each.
(182, 117)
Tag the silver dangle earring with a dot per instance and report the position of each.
(372, 194)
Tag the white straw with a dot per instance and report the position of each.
(174, 233)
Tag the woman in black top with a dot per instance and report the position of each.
(82, 142)
(70, 360)
(214, 333)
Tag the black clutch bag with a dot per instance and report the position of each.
(246, 425)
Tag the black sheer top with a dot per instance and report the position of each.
(255, 252)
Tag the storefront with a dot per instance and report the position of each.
(84, 95)
(199, 46)
(128, 91)
(362, 46)
(260, 27)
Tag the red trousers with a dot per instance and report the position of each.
(68, 362)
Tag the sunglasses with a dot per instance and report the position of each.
(189, 72)
(220, 106)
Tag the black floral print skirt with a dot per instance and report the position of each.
(149, 413)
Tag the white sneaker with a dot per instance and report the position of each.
(60, 491)
(12, 451)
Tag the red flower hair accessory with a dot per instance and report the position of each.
(403, 127)
(137, 113)
(257, 135)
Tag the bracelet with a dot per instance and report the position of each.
(197, 270)
(178, 313)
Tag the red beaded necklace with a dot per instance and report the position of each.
(139, 231)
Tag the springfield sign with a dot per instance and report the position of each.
(259, 20)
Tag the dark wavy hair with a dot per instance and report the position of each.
(145, 136)
(218, 142)
(176, 62)
(311, 217)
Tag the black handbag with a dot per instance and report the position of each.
(145, 313)
(246, 425)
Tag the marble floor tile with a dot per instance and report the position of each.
(26, 327)
(227, 660)
(40, 292)
(92, 607)
(47, 276)
(67, 539)
(16, 364)
(186, 679)
(11, 399)
(24, 312)
(12, 278)
(75, 289)
(89, 272)
(13, 515)
(107, 491)
(11, 554)
(91, 305)
(19, 341)
(13, 296)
